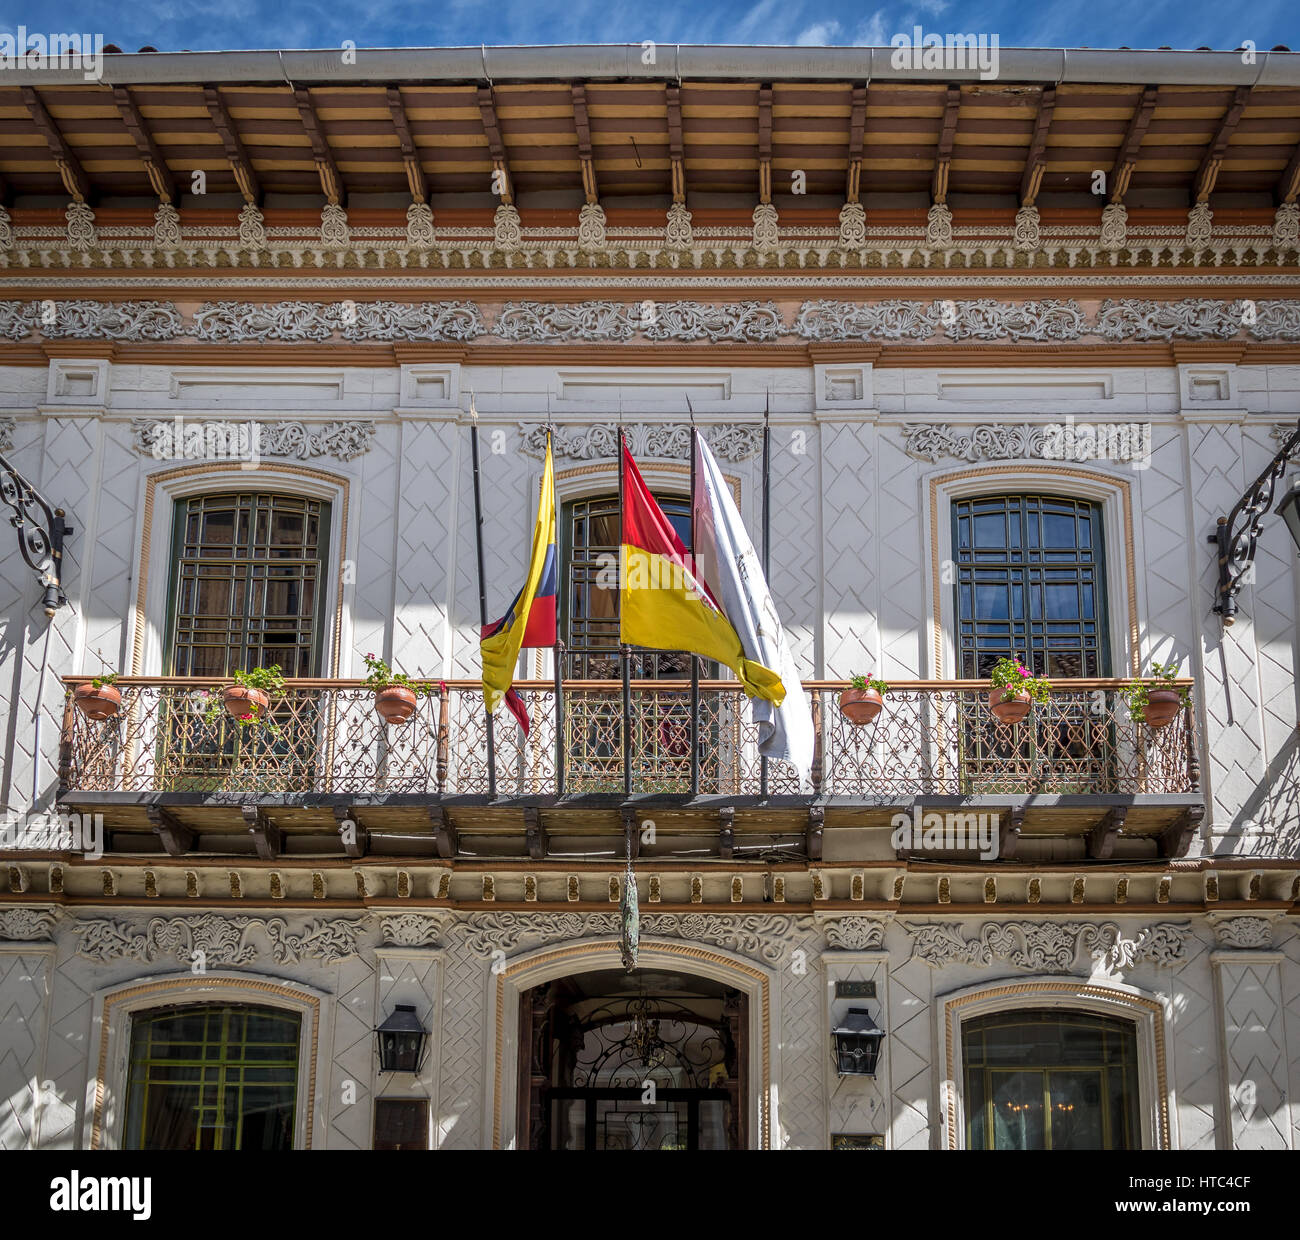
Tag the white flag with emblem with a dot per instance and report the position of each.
(729, 567)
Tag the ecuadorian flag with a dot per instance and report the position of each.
(663, 605)
(530, 620)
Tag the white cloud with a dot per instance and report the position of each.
(818, 35)
(872, 32)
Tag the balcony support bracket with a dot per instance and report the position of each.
(1101, 839)
(1009, 831)
(727, 832)
(266, 836)
(538, 843)
(176, 838)
(354, 838)
(444, 834)
(1176, 838)
(813, 836)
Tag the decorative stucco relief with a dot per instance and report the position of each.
(7, 426)
(344, 440)
(221, 940)
(1050, 946)
(655, 320)
(855, 934)
(412, 930)
(240, 322)
(995, 441)
(646, 440)
(26, 925)
(1244, 932)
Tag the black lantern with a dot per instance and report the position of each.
(857, 1043)
(1289, 510)
(401, 1040)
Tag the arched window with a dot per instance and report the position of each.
(589, 612)
(1051, 1080)
(213, 1077)
(247, 584)
(1030, 580)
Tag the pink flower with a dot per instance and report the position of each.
(1023, 670)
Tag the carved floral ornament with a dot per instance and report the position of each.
(1053, 441)
(1244, 932)
(646, 441)
(1047, 320)
(220, 940)
(1051, 946)
(168, 439)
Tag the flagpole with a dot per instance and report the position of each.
(625, 651)
(695, 659)
(767, 541)
(482, 587)
(558, 656)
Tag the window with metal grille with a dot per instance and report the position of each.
(591, 537)
(1030, 582)
(247, 588)
(213, 1077)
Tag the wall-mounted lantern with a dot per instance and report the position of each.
(401, 1040)
(1289, 511)
(857, 1040)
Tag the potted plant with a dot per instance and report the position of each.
(249, 698)
(98, 699)
(1014, 689)
(1156, 700)
(863, 700)
(396, 693)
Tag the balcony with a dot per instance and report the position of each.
(168, 767)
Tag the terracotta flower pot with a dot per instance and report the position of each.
(240, 700)
(860, 706)
(1009, 706)
(101, 703)
(395, 704)
(1162, 707)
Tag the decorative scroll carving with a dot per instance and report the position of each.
(678, 232)
(591, 227)
(166, 227)
(758, 935)
(938, 227)
(1025, 236)
(221, 940)
(1244, 932)
(26, 925)
(1114, 227)
(767, 234)
(109, 320)
(853, 226)
(345, 440)
(1281, 433)
(419, 225)
(1276, 320)
(646, 440)
(986, 319)
(81, 226)
(1189, 319)
(17, 319)
(983, 319)
(1200, 221)
(616, 321)
(1050, 946)
(7, 427)
(334, 231)
(507, 228)
(933, 441)
(1286, 226)
(239, 322)
(855, 934)
(411, 930)
(6, 230)
(252, 228)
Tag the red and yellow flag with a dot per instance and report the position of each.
(663, 604)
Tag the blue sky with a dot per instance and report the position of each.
(171, 25)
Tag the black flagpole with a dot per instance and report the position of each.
(695, 659)
(625, 651)
(558, 657)
(482, 588)
(767, 540)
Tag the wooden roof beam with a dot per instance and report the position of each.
(1126, 161)
(857, 131)
(582, 126)
(496, 148)
(765, 143)
(70, 170)
(943, 153)
(676, 151)
(1208, 172)
(1036, 161)
(160, 176)
(236, 155)
(330, 182)
(415, 177)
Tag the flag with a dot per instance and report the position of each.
(662, 603)
(729, 567)
(530, 620)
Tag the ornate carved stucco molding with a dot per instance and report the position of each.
(412, 930)
(1244, 932)
(601, 321)
(344, 440)
(1050, 946)
(732, 441)
(26, 925)
(996, 441)
(855, 934)
(7, 426)
(220, 940)
(1281, 432)
(762, 936)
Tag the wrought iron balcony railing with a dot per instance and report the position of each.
(933, 738)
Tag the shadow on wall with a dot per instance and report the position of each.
(1268, 824)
